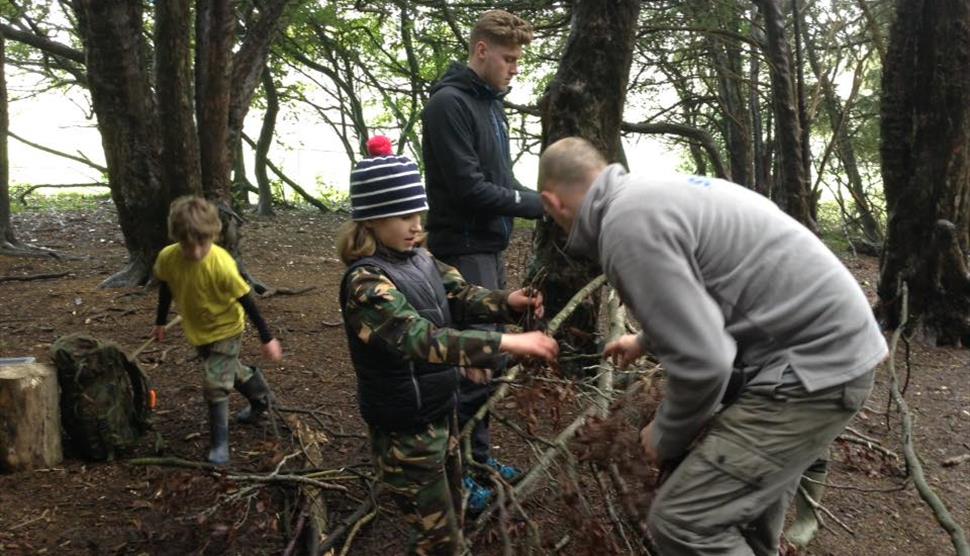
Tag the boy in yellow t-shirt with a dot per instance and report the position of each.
(212, 296)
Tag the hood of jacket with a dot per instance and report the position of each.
(461, 76)
(583, 240)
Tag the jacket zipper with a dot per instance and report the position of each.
(417, 388)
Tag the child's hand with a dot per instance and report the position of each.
(273, 351)
(158, 332)
(477, 375)
(522, 300)
(624, 350)
(530, 344)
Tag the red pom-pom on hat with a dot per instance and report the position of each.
(379, 145)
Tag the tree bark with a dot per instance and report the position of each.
(249, 61)
(762, 165)
(736, 120)
(265, 206)
(795, 198)
(215, 27)
(115, 50)
(30, 411)
(585, 99)
(926, 170)
(181, 171)
(798, 23)
(7, 237)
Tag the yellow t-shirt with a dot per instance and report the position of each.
(206, 293)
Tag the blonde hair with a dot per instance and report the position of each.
(500, 27)
(193, 219)
(568, 162)
(355, 241)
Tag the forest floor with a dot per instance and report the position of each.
(82, 507)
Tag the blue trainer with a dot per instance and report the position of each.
(478, 496)
(509, 473)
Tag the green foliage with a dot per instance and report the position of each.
(831, 227)
(336, 199)
(62, 201)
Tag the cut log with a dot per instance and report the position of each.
(30, 417)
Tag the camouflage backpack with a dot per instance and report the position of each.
(104, 396)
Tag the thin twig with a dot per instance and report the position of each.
(33, 277)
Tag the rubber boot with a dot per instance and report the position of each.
(803, 529)
(219, 432)
(256, 391)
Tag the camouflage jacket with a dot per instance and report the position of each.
(379, 314)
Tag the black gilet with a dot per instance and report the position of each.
(394, 393)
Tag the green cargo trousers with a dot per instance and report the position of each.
(729, 495)
(421, 470)
(222, 368)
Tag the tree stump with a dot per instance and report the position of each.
(30, 417)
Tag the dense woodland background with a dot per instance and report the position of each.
(863, 102)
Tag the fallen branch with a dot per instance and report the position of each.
(818, 509)
(33, 277)
(551, 330)
(955, 460)
(360, 513)
(530, 480)
(957, 536)
(240, 477)
(286, 291)
(22, 195)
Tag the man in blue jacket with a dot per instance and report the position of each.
(472, 193)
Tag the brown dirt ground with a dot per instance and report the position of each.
(115, 508)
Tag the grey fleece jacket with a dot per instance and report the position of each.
(720, 277)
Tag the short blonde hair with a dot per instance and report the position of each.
(568, 162)
(355, 240)
(500, 27)
(193, 219)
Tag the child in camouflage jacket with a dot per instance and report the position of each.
(398, 304)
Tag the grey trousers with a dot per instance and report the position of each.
(729, 496)
(486, 270)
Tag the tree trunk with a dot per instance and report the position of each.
(248, 63)
(7, 239)
(30, 412)
(762, 172)
(925, 166)
(804, 124)
(735, 121)
(795, 199)
(215, 25)
(181, 171)
(265, 206)
(585, 99)
(114, 47)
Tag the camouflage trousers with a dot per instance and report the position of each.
(422, 471)
(222, 368)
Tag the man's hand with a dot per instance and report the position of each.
(477, 375)
(646, 440)
(273, 351)
(522, 300)
(624, 350)
(530, 344)
(158, 332)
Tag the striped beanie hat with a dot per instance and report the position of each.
(385, 186)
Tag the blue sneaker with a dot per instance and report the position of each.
(478, 496)
(509, 473)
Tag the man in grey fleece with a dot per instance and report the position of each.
(723, 283)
